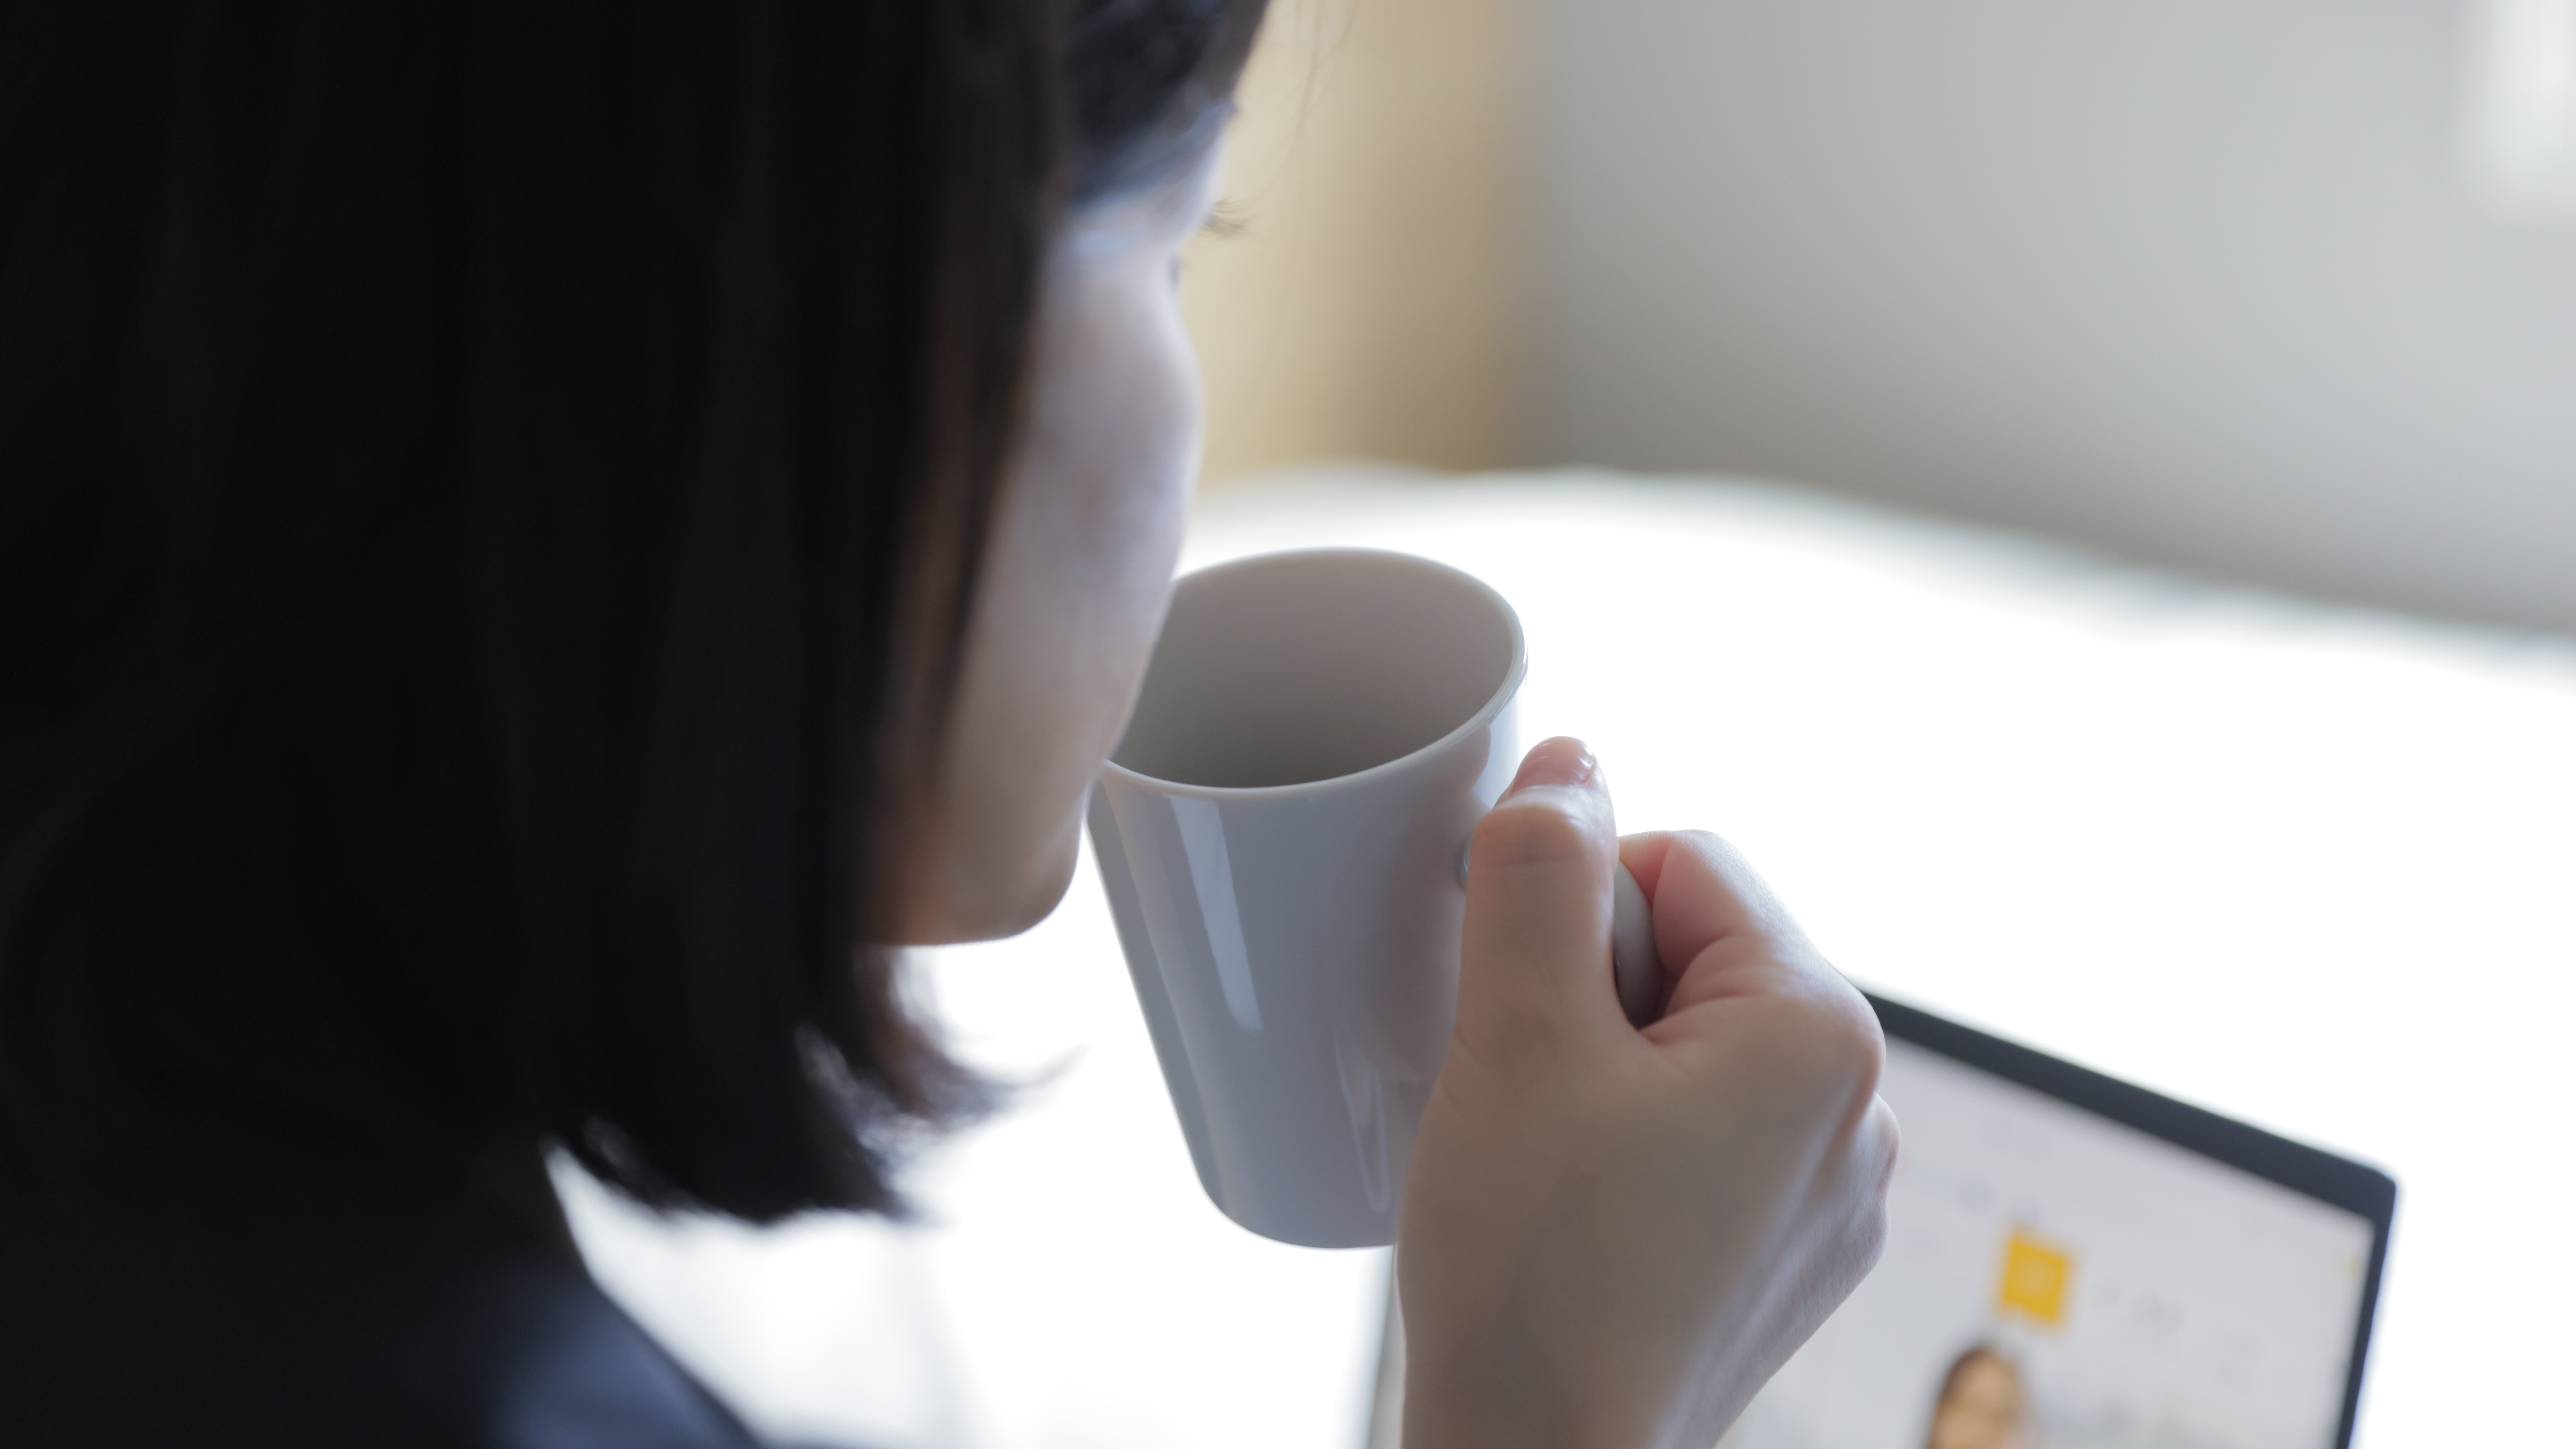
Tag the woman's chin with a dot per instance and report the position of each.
(990, 905)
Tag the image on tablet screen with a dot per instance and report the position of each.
(2056, 1280)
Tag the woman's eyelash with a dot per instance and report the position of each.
(1225, 220)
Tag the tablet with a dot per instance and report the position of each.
(2072, 1260)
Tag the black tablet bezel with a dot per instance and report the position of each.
(2336, 1181)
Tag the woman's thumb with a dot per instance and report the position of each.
(1536, 951)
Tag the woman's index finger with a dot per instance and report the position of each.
(1716, 920)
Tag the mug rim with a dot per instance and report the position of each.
(1474, 723)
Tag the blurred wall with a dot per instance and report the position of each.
(2199, 279)
(1368, 302)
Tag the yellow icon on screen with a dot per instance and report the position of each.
(2035, 1278)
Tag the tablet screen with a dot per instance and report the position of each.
(2054, 1278)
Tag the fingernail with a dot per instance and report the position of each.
(1560, 761)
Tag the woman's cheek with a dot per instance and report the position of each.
(1077, 578)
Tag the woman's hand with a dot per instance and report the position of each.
(1613, 1237)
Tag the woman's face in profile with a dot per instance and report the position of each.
(1078, 569)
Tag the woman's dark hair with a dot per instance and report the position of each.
(490, 493)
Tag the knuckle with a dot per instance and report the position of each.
(1860, 1047)
(1870, 1239)
(1837, 1052)
(1844, 1039)
(1890, 1142)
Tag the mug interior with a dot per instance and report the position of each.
(1292, 668)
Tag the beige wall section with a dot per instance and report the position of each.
(2199, 280)
(1366, 306)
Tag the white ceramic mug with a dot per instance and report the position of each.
(1282, 832)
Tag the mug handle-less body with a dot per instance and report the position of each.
(1295, 957)
(1278, 832)
(1280, 835)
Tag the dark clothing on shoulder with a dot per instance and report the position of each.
(334, 1309)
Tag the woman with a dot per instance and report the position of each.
(538, 541)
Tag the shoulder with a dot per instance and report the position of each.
(121, 1326)
(529, 1354)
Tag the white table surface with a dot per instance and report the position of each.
(2311, 867)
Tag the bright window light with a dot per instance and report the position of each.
(2523, 107)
